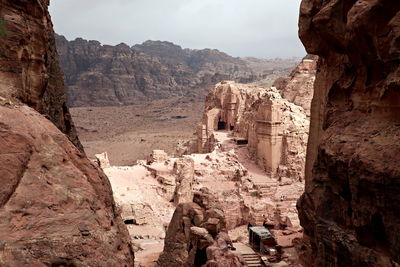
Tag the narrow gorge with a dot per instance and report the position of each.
(192, 157)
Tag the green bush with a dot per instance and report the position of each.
(3, 29)
(254, 193)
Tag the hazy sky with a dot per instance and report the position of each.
(261, 28)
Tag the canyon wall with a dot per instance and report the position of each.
(350, 208)
(29, 68)
(56, 208)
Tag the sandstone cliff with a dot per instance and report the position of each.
(29, 69)
(298, 88)
(350, 208)
(56, 208)
(99, 75)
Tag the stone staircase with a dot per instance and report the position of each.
(265, 189)
(252, 260)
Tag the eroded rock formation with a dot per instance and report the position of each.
(196, 236)
(350, 208)
(274, 130)
(56, 207)
(298, 88)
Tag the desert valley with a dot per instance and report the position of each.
(154, 155)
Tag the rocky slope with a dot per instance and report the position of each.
(100, 75)
(350, 209)
(56, 208)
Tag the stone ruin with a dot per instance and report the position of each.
(102, 160)
(274, 129)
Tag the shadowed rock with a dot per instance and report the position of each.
(350, 207)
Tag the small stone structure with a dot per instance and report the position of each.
(102, 160)
(260, 239)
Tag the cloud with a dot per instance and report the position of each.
(262, 28)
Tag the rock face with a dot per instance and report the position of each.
(56, 208)
(29, 68)
(197, 236)
(274, 129)
(350, 209)
(100, 75)
(298, 88)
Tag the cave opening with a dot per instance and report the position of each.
(221, 125)
(378, 230)
(129, 221)
(242, 141)
(200, 258)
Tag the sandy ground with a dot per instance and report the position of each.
(129, 133)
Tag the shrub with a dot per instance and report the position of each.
(3, 28)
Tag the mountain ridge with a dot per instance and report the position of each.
(105, 75)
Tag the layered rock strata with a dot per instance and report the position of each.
(56, 207)
(350, 209)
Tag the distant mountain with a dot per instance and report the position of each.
(104, 75)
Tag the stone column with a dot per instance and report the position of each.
(269, 136)
(230, 110)
(184, 170)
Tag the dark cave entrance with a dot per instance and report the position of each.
(221, 125)
(201, 257)
(232, 128)
(129, 221)
(378, 230)
(242, 141)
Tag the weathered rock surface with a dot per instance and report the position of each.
(197, 236)
(100, 75)
(56, 208)
(298, 88)
(350, 209)
(29, 68)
